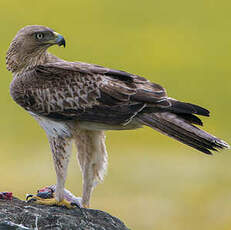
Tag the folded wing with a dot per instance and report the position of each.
(92, 93)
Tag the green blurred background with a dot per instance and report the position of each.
(153, 182)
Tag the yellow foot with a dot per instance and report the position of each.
(50, 201)
(86, 206)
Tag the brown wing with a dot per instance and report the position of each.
(81, 91)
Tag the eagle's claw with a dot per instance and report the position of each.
(46, 196)
(50, 201)
(28, 196)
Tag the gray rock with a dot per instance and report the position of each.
(16, 214)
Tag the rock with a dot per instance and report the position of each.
(16, 214)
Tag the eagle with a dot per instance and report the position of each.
(76, 101)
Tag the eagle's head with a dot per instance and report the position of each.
(29, 45)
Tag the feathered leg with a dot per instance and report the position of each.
(92, 156)
(61, 149)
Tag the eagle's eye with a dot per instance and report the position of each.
(39, 36)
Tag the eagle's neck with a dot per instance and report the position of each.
(18, 64)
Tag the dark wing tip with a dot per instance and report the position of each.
(187, 108)
(191, 118)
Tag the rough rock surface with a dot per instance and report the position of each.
(17, 214)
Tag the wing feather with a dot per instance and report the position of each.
(86, 92)
(77, 91)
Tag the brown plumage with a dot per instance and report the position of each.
(75, 100)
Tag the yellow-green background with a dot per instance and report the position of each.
(153, 182)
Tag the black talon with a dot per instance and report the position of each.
(80, 208)
(75, 204)
(33, 199)
(28, 196)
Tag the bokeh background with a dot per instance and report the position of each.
(153, 182)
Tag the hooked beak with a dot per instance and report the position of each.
(59, 40)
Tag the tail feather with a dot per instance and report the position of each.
(174, 126)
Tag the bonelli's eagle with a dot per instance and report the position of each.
(79, 101)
